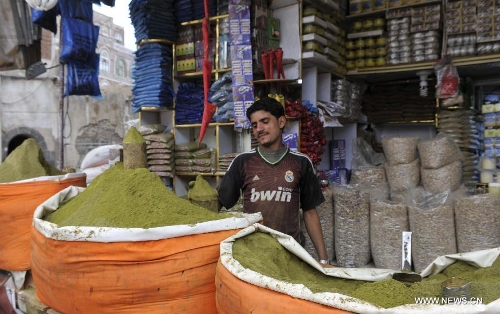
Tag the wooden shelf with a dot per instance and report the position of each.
(200, 74)
(154, 109)
(280, 81)
(205, 174)
(211, 18)
(382, 11)
(472, 66)
(194, 125)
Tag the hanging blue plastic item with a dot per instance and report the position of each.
(79, 40)
(109, 3)
(46, 19)
(83, 79)
(76, 9)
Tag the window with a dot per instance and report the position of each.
(119, 38)
(120, 68)
(104, 63)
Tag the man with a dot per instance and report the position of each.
(274, 180)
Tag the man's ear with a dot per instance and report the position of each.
(282, 122)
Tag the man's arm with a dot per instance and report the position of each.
(313, 227)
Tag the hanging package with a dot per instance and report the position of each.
(83, 79)
(79, 40)
(46, 19)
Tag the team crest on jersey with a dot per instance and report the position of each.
(289, 176)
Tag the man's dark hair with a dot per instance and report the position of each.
(268, 104)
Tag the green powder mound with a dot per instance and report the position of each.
(201, 190)
(133, 136)
(262, 253)
(26, 162)
(133, 198)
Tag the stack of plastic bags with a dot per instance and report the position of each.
(189, 103)
(152, 74)
(153, 19)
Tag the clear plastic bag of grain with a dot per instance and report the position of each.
(439, 151)
(412, 195)
(368, 176)
(387, 222)
(402, 177)
(400, 149)
(432, 224)
(352, 225)
(439, 180)
(477, 220)
(326, 219)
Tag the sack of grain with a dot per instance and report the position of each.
(477, 220)
(387, 222)
(371, 176)
(440, 180)
(439, 151)
(352, 226)
(326, 219)
(400, 150)
(432, 224)
(402, 177)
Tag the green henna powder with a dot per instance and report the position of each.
(133, 198)
(133, 136)
(201, 190)
(262, 253)
(26, 162)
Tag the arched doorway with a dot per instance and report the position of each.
(15, 142)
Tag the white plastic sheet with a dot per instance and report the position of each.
(481, 259)
(105, 234)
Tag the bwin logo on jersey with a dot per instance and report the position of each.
(281, 195)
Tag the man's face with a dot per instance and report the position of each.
(267, 129)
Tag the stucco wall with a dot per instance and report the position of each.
(31, 108)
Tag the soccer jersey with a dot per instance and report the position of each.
(276, 190)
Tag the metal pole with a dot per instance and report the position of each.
(61, 117)
(61, 105)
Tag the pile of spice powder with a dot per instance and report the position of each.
(133, 198)
(133, 136)
(26, 162)
(262, 253)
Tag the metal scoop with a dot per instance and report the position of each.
(406, 276)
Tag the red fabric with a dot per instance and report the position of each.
(209, 109)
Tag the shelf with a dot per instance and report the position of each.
(380, 12)
(193, 125)
(315, 37)
(280, 81)
(321, 61)
(154, 109)
(211, 18)
(415, 5)
(323, 5)
(374, 33)
(314, 20)
(476, 67)
(278, 4)
(365, 15)
(199, 74)
(204, 174)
